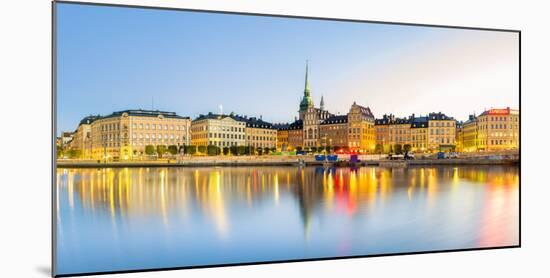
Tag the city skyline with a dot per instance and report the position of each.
(153, 59)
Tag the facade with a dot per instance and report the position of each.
(82, 137)
(295, 135)
(425, 133)
(282, 136)
(459, 137)
(441, 132)
(125, 134)
(361, 132)
(498, 129)
(219, 130)
(469, 135)
(419, 133)
(334, 132)
(260, 134)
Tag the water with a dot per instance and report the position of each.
(136, 218)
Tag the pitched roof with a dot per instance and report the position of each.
(145, 113)
(335, 120)
(258, 123)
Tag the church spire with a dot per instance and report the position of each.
(306, 100)
(322, 104)
(306, 89)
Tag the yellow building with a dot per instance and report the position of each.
(125, 134)
(469, 135)
(419, 134)
(334, 132)
(260, 134)
(441, 132)
(282, 136)
(361, 132)
(459, 137)
(219, 130)
(425, 133)
(498, 129)
(82, 137)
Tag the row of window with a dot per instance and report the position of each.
(158, 126)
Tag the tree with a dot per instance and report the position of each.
(59, 151)
(321, 149)
(225, 150)
(259, 151)
(298, 148)
(190, 149)
(379, 148)
(74, 153)
(173, 149)
(267, 150)
(407, 147)
(161, 150)
(233, 150)
(273, 149)
(329, 149)
(202, 149)
(149, 150)
(241, 150)
(398, 149)
(213, 150)
(313, 149)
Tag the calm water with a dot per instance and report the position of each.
(135, 218)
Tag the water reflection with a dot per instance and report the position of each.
(126, 218)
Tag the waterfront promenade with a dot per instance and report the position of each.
(294, 160)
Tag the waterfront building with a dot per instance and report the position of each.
(469, 134)
(382, 133)
(419, 133)
(295, 135)
(260, 134)
(361, 133)
(441, 132)
(219, 130)
(125, 134)
(334, 132)
(81, 139)
(459, 136)
(311, 117)
(66, 139)
(282, 136)
(424, 133)
(498, 129)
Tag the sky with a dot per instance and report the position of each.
(113, 58)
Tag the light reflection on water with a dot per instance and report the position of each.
(134, 218)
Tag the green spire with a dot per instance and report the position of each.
(306, 89)
(306, 100)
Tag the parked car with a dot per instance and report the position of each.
(453, 155)
(395, 156)
(409, 156)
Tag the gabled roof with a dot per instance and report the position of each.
(364, 110)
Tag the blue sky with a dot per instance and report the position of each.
(111, 59)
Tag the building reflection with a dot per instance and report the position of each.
(218, 194)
